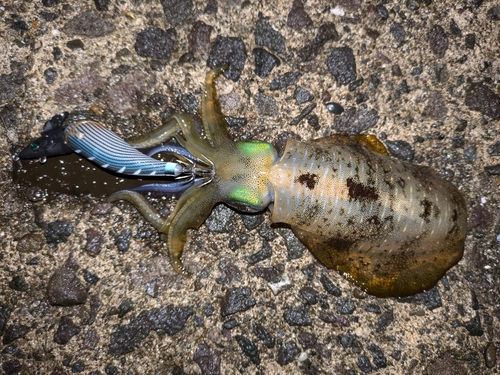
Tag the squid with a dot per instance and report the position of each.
(390, 227)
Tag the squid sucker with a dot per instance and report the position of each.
(390, 227)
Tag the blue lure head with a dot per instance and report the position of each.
(51, 143)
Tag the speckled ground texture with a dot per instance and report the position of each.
(84, 287)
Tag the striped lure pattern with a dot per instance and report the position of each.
(100, 145)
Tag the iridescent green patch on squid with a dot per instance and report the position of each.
(255, 148)
(244, 196)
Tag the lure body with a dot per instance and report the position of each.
(104, 147)
(390, 227)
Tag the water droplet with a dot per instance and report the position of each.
(42, 160)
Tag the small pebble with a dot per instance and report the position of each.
(355, 84)
(122, 241)
(297, 17)
(287, 353)
(302, 96)
(230, 323)
(18, 283)
(78, 366)
(267, 36)
(228, 50)
(90, 277)
(309, 271)
(334, 108)
(199, 38)
(57, 232)
(102, 5)
(263, 335)
(237, 300)
(265, 62)
(57, 53)
(50, 75)
(398, 32)
(155, 43)
(89, 24)
(438, 41)
(493, 13)
(208, 359)
(265, 252)
(354, 121)
(309, 294)
(401, 150)
(379, 360)
(382, 11)
(334, 319)
(295, 248)
(249, 349)
(177, 11)
(480, 97)
(229, 272)
(329, 286)
(266, 105)
(12, 367)
(281, 284)
(455, 29)
(14, 332)
(490, 355)
(364, 364)
(342, 65)
(493, 170)
(64, 287)
(297, 316)
(125, 307)
(345, 306)
(65, 331)
(347, 341)
(384, 321)
(474, 326)
(75, 45)
(307, 340)
(95, 242)
(284, 80)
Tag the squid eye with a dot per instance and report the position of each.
(245, 197)
(35, 146)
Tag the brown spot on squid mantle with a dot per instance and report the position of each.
(308, 179)
(359, 191)
(429, 208)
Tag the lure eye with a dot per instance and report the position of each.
(35, 146)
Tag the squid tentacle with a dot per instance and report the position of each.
(168, 188)
(142, 205)
(214, 122)
(176, 150)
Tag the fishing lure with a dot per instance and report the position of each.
(103, 147)
(390, 227)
